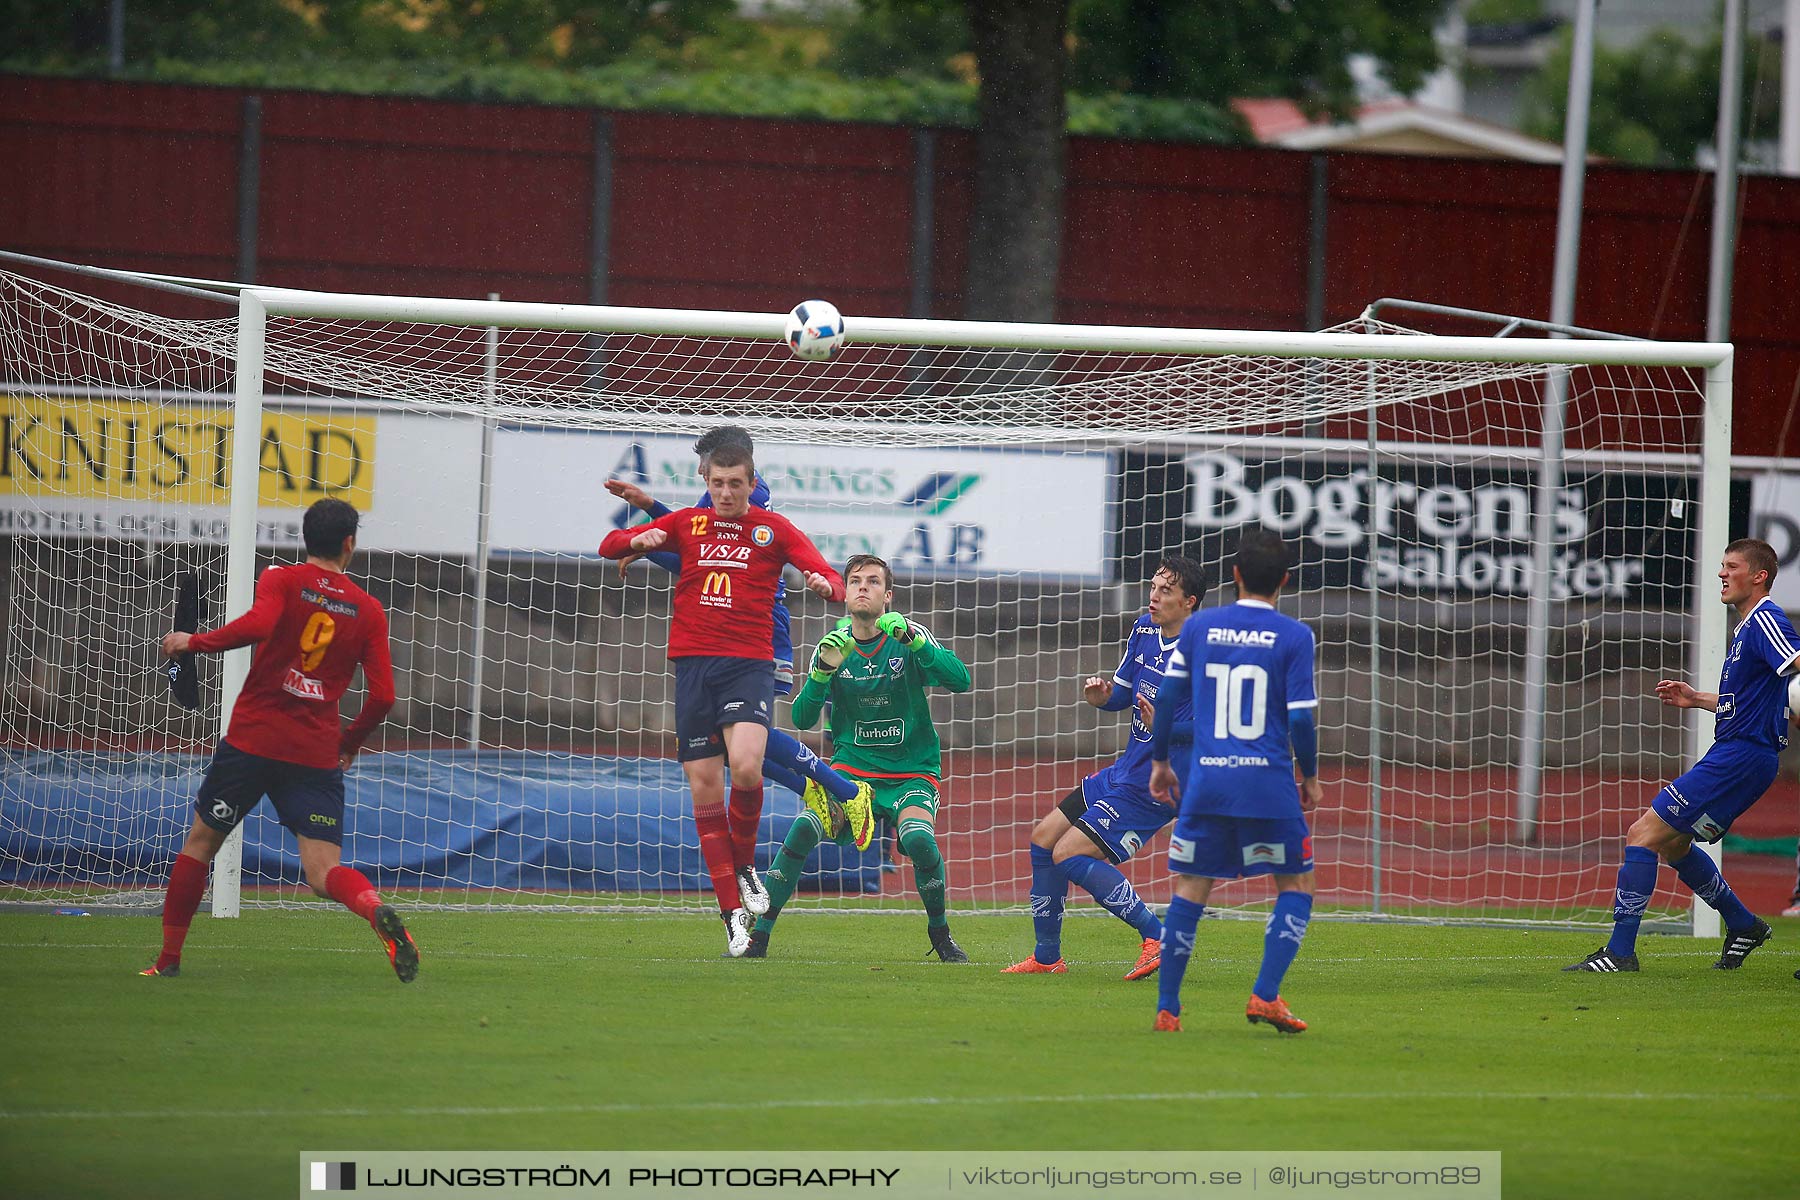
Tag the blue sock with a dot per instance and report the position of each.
(1048, 890)
(1114, 892)
(790, 755)
(1637, 881)
(1178, 947)
(776, 773)
(1282, 936)
(1701, 874)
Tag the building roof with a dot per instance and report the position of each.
(1392, 127)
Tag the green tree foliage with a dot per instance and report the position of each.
(734, 67)
(1174, 50)
(1656, 103)
(572, 32)
(1227, 48)
(927, 39)
(73, 33)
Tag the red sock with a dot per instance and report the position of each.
(715, 848)
(187, 883)
(746, 817)
(352, 889)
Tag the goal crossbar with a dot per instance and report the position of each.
(583, 318)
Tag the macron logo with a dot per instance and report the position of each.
(1241, 637)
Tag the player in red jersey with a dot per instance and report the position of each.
(311, 626)
(721, 643)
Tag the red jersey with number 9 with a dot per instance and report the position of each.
(311, 628)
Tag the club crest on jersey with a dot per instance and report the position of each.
(762, 535)
(897, 666)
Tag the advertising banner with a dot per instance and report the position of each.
(934, 512)
(1775, 518)
(1450, 527)
(161, 472)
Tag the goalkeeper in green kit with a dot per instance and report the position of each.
(874, 669)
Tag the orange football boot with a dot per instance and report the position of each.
(1149, 958)
(1032, 966)
(1273, 1012)
(1166, 1022)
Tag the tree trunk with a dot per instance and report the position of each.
(1015, 237)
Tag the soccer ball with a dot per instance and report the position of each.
(815, 329)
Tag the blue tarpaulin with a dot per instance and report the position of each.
(506, 820)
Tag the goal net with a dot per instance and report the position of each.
(1024, 482)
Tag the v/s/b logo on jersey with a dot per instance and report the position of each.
(732, 557)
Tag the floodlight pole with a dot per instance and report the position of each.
(1725, 176)
(1790, 89)
(1530, 783)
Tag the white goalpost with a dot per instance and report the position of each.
(1461, 558)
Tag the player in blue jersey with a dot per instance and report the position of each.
(838, 802)
(1248, 671)
(1111, 815)
(1749, 732)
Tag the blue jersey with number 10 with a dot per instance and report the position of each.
(1246, 667)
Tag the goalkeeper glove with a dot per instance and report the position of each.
(830, 653)
(898, 628)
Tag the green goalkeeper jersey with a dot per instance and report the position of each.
(880, 718)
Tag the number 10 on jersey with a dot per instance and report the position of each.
(1230, 683)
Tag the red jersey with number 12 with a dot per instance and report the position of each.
(725, 594)
(311, 629)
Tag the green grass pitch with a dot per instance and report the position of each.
(287, 1031)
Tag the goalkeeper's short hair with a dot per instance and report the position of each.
(858, 561)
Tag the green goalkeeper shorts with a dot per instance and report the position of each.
(894, 796)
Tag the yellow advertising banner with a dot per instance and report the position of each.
(178, 454)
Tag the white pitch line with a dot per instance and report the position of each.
(540, 1110)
